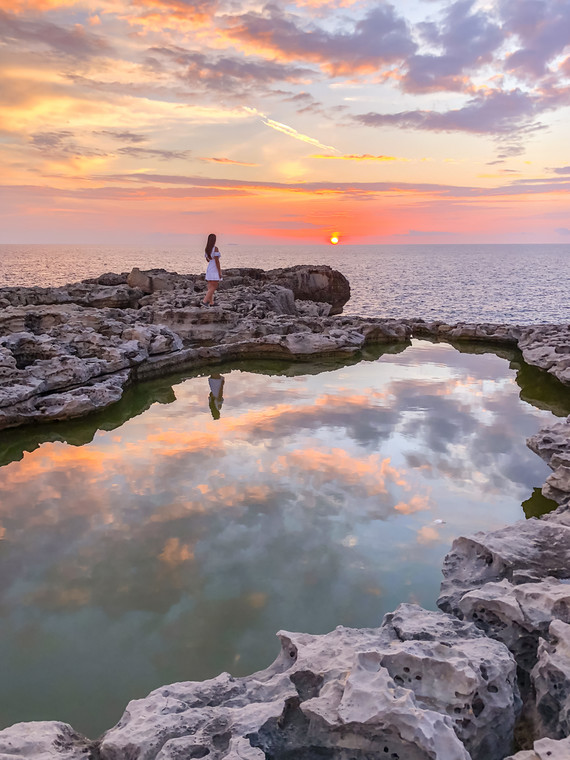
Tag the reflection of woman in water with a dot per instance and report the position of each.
(213, 270)
(216, 399)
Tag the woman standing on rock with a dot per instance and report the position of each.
(213, 270)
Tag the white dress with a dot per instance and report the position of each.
(212, 269)
(215, 384)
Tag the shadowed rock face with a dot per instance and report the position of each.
(321, 284)
(551, 681)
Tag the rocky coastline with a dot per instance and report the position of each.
(486, 675)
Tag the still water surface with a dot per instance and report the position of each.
(171, 537)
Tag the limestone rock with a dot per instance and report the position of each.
(528, 551)
(44, 740)
(548, 347)
(83, 294)
(313, 309)
(138, 279)
(551, 680)
(67, 404)
(518, 615)
(156, 280)
(552, 443)
(416, 688)
(545, 749)
(111, 278)
(557, 485)
(481, 332)
(59, 340)
(58, 362)
(454, 669)
(314, 283)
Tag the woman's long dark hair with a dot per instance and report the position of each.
(210, 245)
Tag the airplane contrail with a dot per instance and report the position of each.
(290, 131)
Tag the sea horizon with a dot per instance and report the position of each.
(504, 283)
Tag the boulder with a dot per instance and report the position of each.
(138, 279)
(455, 669)
(156, 280)
(45, 740)
(314, 283)
(552, 443)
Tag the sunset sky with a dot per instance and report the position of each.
(133, 121)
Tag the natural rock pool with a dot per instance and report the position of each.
(171, 537)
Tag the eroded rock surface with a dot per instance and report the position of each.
(548, 347)
(553, 445)
(514, 584)
(44, 740)
(526, 552)
(423, 686)
(551, 681)
(518, 615)
(545, 749)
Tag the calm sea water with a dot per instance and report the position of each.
(171, 536)
(497, 283)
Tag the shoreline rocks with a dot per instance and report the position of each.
(424, 685)
(61, 347)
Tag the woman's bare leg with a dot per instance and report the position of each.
(214, 287)
(209, 297)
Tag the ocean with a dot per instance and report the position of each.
(515, 284)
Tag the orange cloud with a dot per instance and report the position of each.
(17, 6)
(428, 535)
(227, 161)
(175, 442)
(54, 597)
(182, 16)
(362, 157)
(58, 457)
(416, 504)
(175, 553)
(371, 473)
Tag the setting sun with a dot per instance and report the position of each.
(334, 240)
